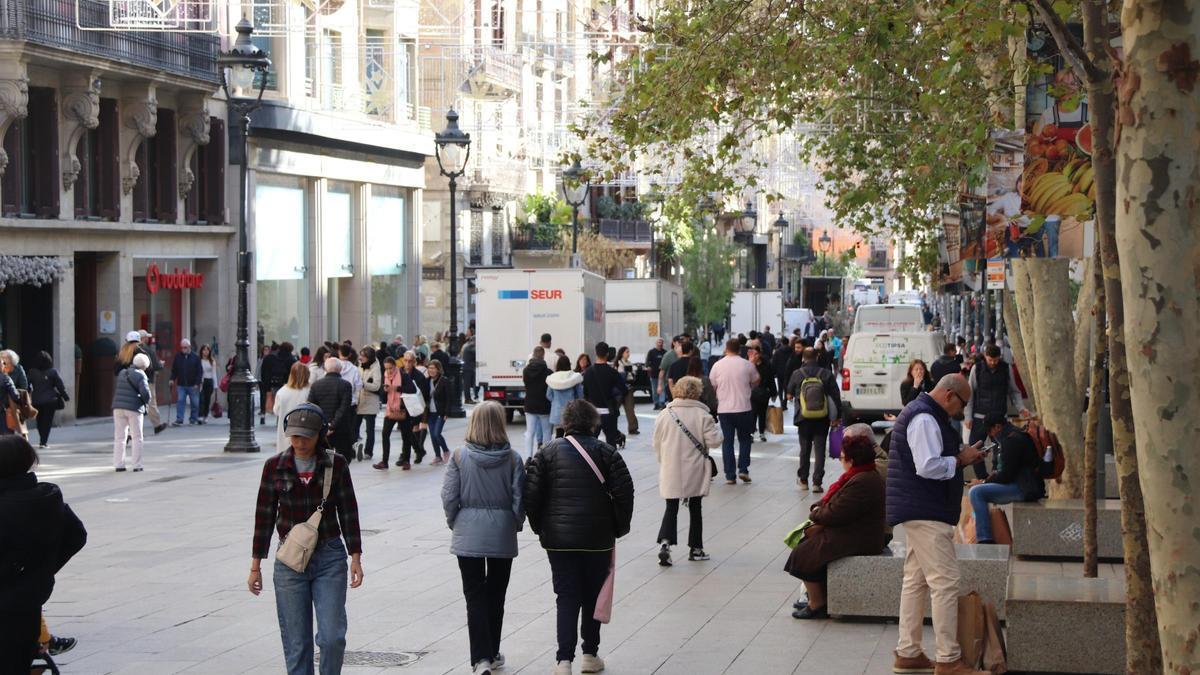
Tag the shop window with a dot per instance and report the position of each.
(205, 204)
(387, 228)
(98, 187)
(31, 183)
(154, 195)
(280, 257)
(270, 22)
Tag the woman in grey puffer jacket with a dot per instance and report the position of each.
(481, 495)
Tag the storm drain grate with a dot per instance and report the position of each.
(380, 659)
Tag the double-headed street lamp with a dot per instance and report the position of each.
(243, 68)
(746, 224)
(453, 149)
(575, 190)
(781, 225)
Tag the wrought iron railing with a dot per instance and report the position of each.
(535, 238)
(629, 231)
(55, 23)
(798, 253)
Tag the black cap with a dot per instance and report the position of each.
(992, 419)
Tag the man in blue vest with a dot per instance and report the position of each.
(924, 494)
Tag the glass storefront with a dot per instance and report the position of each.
(337, 248)
(387, 224)
(163, 305)
(281, 230)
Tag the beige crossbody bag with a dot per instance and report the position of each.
(297, 548)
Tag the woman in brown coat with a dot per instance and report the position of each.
(847, 521)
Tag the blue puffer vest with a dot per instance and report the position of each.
(909, 496)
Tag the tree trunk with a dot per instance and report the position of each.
(1158, 153)
(1012, 327)
(1027, 314)
(1058, 392)
(1095, 404)
(1084, 318)
(1142, 650)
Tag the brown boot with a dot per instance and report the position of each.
(912, 664)
(957, 668)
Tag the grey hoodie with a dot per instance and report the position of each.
(482, 499)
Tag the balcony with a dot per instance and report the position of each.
(492, 73)
(877, 260)
(626, 231)
(54, 23)
(798, 253)
(535, 238)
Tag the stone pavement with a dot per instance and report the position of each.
(161, 585)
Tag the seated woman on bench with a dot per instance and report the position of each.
(1018, 474)
(848, 521)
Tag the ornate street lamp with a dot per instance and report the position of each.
(453, 148)
(243, 68)
(781, 226)
(748, 221)
(826, 245)
(654, 199)
(575, 190)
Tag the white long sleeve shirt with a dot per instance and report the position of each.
(925, 443)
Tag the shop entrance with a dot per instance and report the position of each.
(162, 305)
(27, 322)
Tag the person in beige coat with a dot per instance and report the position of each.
(683, 433)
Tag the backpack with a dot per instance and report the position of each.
(813, 405)
(1043, 438)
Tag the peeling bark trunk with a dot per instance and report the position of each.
(1058, 392)
(1085, 317)
(1142, 650)
(1158, 155)
(1012, 326)
(1095, 404)
(1027, 314)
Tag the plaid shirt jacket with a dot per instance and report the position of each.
(284, 501)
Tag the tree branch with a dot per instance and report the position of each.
(1068, 46)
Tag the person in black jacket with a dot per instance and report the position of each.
(187, 374)
(38, 534)
(603, 386)
(48, 392)
(916, 381)
(779, 363)
(332, 395)
(1019, 473)
(813, 432)
(439, 404)
(946, 364)
(537, 402)
(578, 518)
(761, 395)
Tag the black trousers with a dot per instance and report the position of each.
(813, 436)
(206, 393)
(485, 581)
(45, 419)
(578, 577)
(978, 433)
(410, 440)
(782, 396)
(388, 425)
(369, 444)
(760, 417)
(670, 523)
(609, 424)
(262, 397)
(19, 631)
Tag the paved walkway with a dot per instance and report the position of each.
(160, 587)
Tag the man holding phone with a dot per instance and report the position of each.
(924, 494)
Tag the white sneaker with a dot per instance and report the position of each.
(562, 668)
(497, 662)
(484, 667)
(591, 664)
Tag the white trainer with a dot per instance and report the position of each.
(591, 664)
(483, 667)
(562, 668)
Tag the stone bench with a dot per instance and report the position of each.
(869, 586)
(1054, 529)
(1065, 624)
(1110, 478)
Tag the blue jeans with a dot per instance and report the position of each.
(436, 424)
(536, 426)
(990, 493)
(1051, 230)
(183, 394)
(660, 392)
(741, 423)
(322, 586)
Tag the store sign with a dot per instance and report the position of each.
(995, 274)
(177, 280)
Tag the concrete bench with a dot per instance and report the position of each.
(1110, 478)
(869, 586)
(1065, 624)
(1054, 529)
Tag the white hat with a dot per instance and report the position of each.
(133, 336)
(145, 333)
(141, 361)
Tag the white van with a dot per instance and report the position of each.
(874, 365)
(889, 318)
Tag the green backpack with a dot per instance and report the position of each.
(813, 405)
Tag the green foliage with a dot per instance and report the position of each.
(543, 209)
(708, 280)
(841, 265)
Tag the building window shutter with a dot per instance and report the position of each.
(109, 161)
(11, 187)
(140, 193)
(166, 203)
(45, 180)
(214, 173)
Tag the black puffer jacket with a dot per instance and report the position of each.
(567, 506)
(332, 395)
(534, 375)
(38, 535)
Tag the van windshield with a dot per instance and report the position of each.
(888, 318)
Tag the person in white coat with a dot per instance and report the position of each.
(371, 373)
(683, 433)
(287, 398)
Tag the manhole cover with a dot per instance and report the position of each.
(223, 459)
(379, 659)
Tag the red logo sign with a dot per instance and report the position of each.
(545, 295)
(174, 281)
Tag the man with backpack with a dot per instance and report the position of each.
(814, 389)
(1019, 476)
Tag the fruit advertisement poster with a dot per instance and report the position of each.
(1006, 165)
(1057, 190)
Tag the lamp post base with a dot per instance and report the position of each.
(454, 373)
(241, 413)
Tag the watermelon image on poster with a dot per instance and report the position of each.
(1083, 139)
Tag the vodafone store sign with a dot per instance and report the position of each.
(176, 280)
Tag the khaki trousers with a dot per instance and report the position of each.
(930, 572)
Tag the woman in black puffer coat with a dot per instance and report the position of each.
(578, 520)
(38, 534)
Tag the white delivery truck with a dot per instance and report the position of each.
(795, 318)
(755, 310)
(513, 308)
(636, 313)
(874, 365)
(888, 318)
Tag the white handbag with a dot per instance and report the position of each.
(297, 547)
(414, 404)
